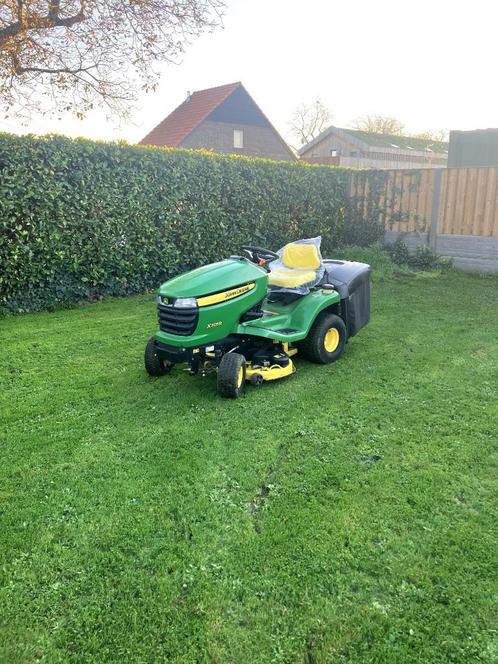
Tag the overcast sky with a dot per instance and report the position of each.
(432, 64)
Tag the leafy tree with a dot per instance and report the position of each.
(70, 55)
(309, 120)
(379, 124)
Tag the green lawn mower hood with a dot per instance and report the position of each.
(209, 301)
(214, 278)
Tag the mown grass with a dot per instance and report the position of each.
(347, 514)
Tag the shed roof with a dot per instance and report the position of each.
(389, 142)
(402, 142)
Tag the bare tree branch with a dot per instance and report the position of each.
(51, 20)
(309, 120)
(436, 135)
(80, 53)
(379, 124)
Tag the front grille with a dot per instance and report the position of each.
(177, 320)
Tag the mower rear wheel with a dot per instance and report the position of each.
(231, 375)
(326, 339)
(154, 365)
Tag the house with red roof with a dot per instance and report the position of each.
(223, 119)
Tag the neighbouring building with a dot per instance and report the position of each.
(469, 149)
(223, 119)
(362, 149)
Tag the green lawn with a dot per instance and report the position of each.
(346, 514)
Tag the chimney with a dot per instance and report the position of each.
(188, 97)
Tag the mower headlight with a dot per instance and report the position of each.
(185, 302)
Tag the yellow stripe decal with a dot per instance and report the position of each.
(224, 296)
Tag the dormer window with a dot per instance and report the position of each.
(238, 138)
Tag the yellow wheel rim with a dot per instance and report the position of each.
(240, 377)
(331, 340)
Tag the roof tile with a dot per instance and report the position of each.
(189, 115)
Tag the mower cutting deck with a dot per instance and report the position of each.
(247, 316)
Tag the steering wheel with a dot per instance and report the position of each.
(259, 255)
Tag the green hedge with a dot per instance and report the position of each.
(80, 219)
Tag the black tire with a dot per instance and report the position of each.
(154, 365)
(314, 347)
(231, 375)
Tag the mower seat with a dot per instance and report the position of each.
(299, 265)
(290, 278)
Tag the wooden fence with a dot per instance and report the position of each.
(436, 206)
(458, 201)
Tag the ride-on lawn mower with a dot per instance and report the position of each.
(246, 316)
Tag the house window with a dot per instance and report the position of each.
(238, 138)
(334, 152)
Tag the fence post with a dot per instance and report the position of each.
(436, 201)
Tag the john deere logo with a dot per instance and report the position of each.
(237, 291)
(216, 324)
(216, 298)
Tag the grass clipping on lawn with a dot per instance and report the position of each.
(346, 514)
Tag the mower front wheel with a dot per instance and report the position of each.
(154, 365)
(231, 375)
(326, 339)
